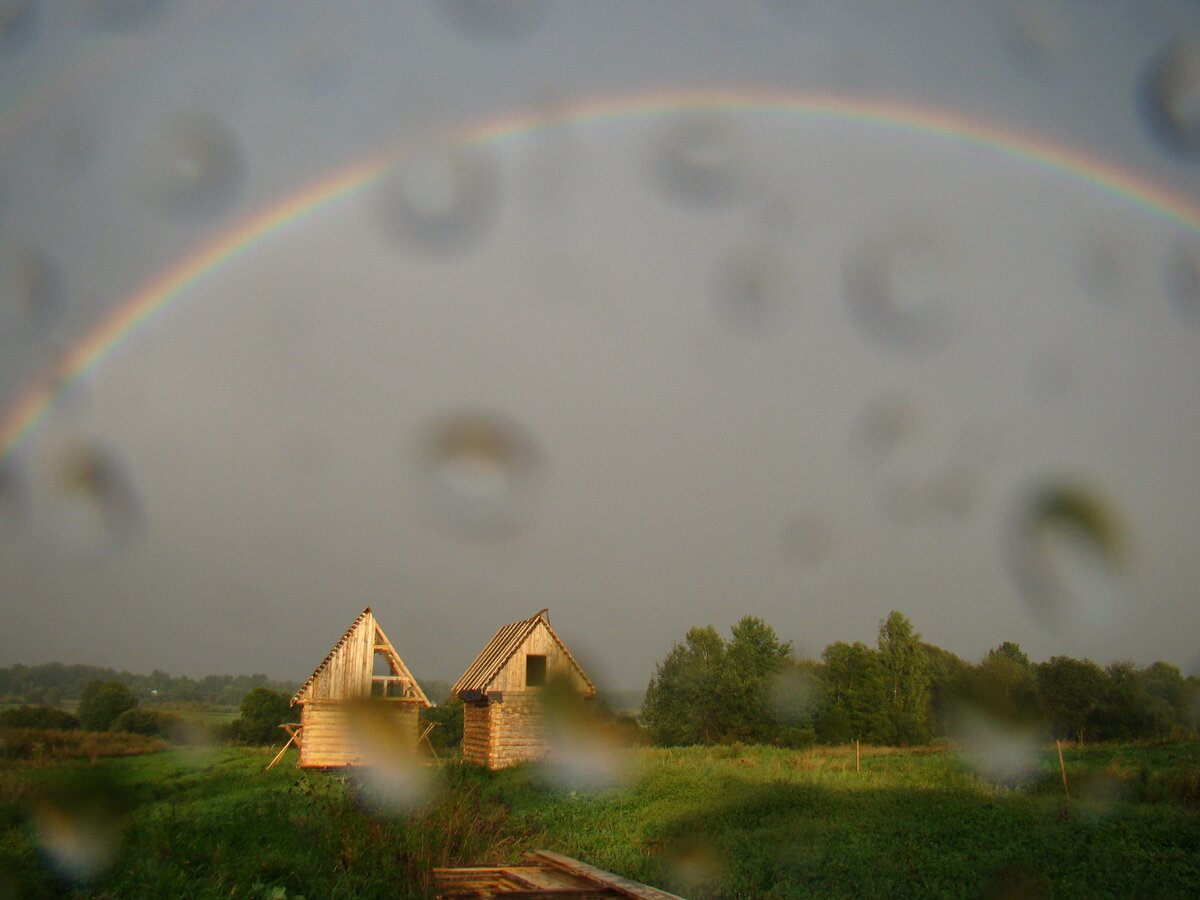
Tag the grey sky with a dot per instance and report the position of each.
(648, 371)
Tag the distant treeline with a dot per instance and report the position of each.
(751, 688)
(52, 683)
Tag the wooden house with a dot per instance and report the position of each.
(362, 672)
(503, 715)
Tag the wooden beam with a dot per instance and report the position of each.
(624, 886)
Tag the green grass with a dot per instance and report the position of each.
(719, 822)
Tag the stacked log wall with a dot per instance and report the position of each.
(498, 734)
(328, 737)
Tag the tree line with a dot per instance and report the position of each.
(751, 688)
(52, 683)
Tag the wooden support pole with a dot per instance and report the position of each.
(857, 757)
(1062, 767)
(279, 755)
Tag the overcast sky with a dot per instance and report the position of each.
(651, 369)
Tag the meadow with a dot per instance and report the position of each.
(726, 821)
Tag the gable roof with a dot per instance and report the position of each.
(347, 669)
(500, 649)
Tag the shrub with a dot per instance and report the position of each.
(38, 717)
(146, 721)
(102, 702)
(263, 711)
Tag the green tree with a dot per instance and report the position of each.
(1070, 691)
(856, 695)
(904, 665)
(754, 659)
(683, 703)
(1005, 686)
(101, 703)
(946, 672)
(263, 711)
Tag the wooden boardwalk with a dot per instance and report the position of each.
(541, 874)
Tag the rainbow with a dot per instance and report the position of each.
(174, 282)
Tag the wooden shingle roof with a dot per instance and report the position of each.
(500, 649)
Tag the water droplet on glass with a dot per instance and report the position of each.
(751, 292)
(195, 168)
(807, 538)
(954, 491)
(1104, 264)
(479, 474)
(495, 20)
(14, 499)
(794, 696)
(1183, 281)
(16, 23)
(1066, 552)
(884, 425)
(999, 752)
(77, 822)
(93, 506)
(699, 161)
(1029, 36)
(441, 200)
(31, 291)
(897, 289)
(123, 13)
(1170, 96)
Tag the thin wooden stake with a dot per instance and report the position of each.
(279, 755)
(857, 757)
(1062, 767)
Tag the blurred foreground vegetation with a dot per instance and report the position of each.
(703, 822)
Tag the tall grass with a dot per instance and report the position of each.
(716, 822)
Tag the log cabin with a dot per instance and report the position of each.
(503, 715)
(362, 671)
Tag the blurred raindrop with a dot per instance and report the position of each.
(94, 506)
(999, 752)
(14, 498)
(897, 291)
(887, 422)
(1029, 35)
(122, 13)
(1170, 96)
(751, 291)
(31, 291)
(700, 161)
(794, 695)
(1183, 280)
(807, 538)
(695, 865)
(16, 23)
(479, 475)
(954, 490)
(495, 20)
(442, 200)
(195, 167)
(390, 778)
(1104, 265)
(78, 823)
(1066, 550)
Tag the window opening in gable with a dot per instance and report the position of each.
(386, 680)
(535, 670)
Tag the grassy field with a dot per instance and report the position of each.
(716, 822)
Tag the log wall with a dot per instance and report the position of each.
(330, 738)
(502, 734)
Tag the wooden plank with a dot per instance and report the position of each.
(626, 887)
